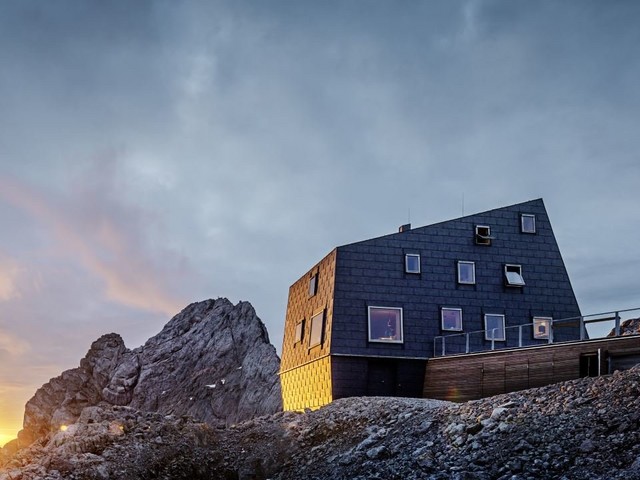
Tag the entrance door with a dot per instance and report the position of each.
(382, 378)
(589, 363)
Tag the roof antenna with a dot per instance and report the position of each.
(463, 204)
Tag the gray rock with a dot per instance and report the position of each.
(212, 361)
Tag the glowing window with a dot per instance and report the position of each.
(385, 324)
(451, 319)
(541, 327)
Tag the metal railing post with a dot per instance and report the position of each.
(583, 329)
(551, 331)
(519, 335)
(493, 338)
(617, 324)
(467, 346)
(443, 347)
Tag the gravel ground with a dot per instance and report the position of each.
(587, 428)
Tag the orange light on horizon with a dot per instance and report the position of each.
(6, 437)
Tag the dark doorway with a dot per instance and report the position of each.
(589, 364)
(382, 378)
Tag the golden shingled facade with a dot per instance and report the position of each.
(305, 371)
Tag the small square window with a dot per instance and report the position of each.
(317, 329)
(494, 327)
(541, 327)
(313, 285)
(513, 276)
(528, 223)
(299, 334)
(451, 319)
(483, 235)
(412, 263)
(385, 324)
(467, 273)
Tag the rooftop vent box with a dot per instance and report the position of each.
(404, 228)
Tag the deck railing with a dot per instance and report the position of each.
(559, 331)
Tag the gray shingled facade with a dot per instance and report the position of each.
(373, 273)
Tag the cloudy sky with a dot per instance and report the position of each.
(156, 153)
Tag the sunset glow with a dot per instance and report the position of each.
(6, 435)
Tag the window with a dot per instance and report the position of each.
(385, 324)
(299, 334)
(528, 223)
(467, 272)
(313, 285)
(317, 329)
(494, 327)
(451, 319)
(513, 275)
(483, 235)
(541, 327)
(412, 263)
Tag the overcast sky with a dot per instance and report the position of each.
(153, 154)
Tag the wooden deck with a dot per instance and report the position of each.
(478, 375)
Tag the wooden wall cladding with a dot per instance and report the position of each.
(470, 377)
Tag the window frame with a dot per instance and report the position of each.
(513, 282)
(486, 329)
(313, 285)
(406, 263)
(473, 272)
(442, 319)
(400, 321)
(482, 239)
(298, 332)
(541, 320)
(530, 216)
(314, 327)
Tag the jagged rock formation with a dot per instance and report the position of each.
(213, 361)
(586, 428)
(628, 327)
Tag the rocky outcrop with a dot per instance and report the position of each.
(586, 428)
(628, 327)
(213, 362)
